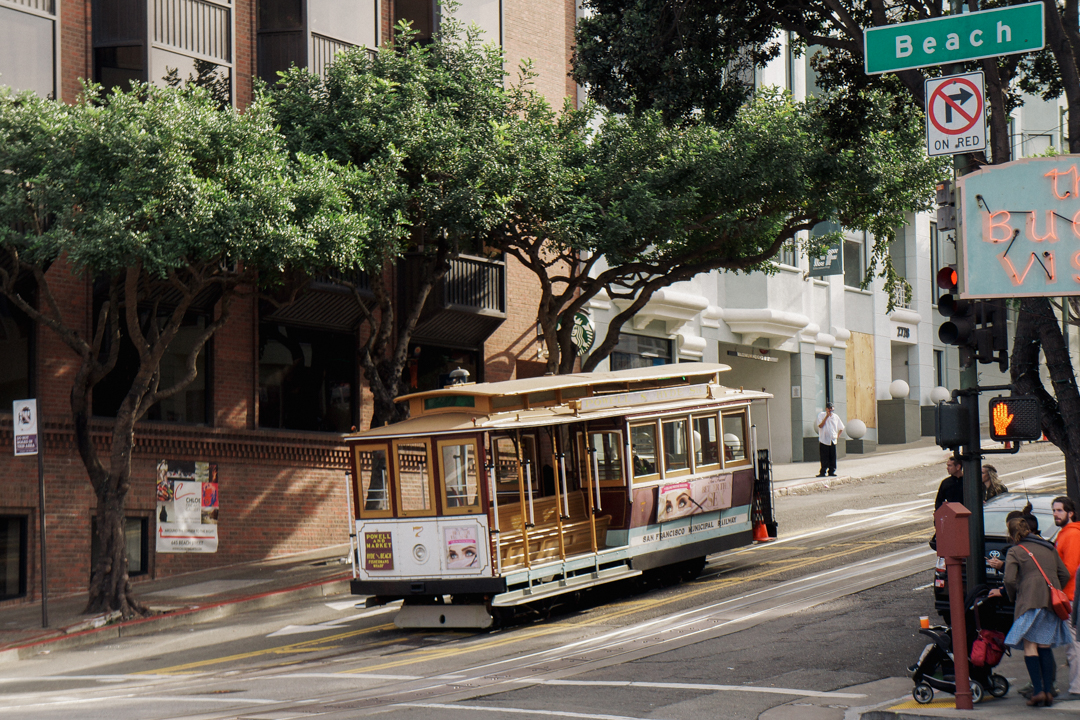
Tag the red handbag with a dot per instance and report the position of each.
(988, 648)
(1059, 601)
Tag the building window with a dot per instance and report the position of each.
(16, 333)
(854, 261)
(1063, 129)
(823, 391)
(787, 254)
(191, 405)
(12, 556)
(422, 14)
(939, 368)
(634, 351)
(188, 40)
(136, 540)
(27, 47)
(307, 379)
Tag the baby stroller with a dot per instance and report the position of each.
(934, 669)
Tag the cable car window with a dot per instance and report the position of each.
(460, 479)
(734, 439)
(676, 452)
(414, 478)
(374, 489)
(643, 449)
(506, 463)
(608, 448)
(706, 441)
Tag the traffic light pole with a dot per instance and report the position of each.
(973, 490)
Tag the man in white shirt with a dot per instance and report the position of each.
(829, 428)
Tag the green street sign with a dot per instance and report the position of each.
(953, 38)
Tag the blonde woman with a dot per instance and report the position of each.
(1035, 626)
(992, 487)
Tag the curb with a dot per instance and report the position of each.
(179, 618)
(815, 485)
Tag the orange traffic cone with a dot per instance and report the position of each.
(760, 533)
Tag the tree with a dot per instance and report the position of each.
(833, 31)
(629, 204)
(429, 121)
(159, 197)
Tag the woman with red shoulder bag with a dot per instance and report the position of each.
(1032, 567)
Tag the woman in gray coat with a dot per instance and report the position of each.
(1035, 626)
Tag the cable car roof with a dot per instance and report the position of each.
(562, 382)
(613, 402)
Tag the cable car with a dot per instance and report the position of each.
(493, 496)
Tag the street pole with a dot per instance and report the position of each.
(969, 382)
(973, 491)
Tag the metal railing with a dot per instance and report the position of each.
(476, 283)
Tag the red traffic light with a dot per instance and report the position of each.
(947, 278)
(1015, 418)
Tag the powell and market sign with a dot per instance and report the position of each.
(1020, 229)
(953, 38)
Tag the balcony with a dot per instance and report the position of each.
(465, 307)
(325, 304)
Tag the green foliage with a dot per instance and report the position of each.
(164, 179)
(636, 189)
(424, 121)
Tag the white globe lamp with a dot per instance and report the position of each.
(855, 429)
(940, 394)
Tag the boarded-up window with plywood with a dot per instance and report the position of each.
(859, 367)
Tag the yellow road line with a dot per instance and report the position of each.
(305, 646)
(617, 612)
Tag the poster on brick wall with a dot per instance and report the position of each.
(187, 507)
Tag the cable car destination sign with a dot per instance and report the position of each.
(1019, 229)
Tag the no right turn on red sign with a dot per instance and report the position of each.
(955, 114)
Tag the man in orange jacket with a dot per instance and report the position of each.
(1068, 547)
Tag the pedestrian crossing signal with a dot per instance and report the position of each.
(1015, 418)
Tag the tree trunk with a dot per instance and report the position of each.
(1038, 329)
(110, 584)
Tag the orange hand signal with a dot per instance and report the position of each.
(1002, 418)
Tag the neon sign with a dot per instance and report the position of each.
(1020, 229)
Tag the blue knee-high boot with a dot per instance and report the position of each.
(1034, 668)
(1049, 668)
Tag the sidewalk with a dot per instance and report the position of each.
(177, 601)
(800, 478)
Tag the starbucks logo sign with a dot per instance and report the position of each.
(583, 334)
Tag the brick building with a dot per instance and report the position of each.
(276, 388)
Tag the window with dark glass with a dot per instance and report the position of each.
(423, 14)
(634, 351)
(12, 556)
(192, 404)
(136, 540)
(706, 441)
(16, 331)
(307, 379)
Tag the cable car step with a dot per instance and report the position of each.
(558, 587)
(443, 616)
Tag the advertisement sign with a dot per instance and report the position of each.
(25, 421)
(1019, 227)
(461, 547)
(693, 497)
(187, 507)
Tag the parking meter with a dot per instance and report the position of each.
(954, 544)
